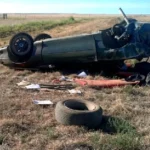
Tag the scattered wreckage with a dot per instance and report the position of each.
(127, 40)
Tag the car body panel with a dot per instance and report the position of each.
(80, 48)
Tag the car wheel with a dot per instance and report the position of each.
(42, 36)
(78, 112)
(21, 44)
(117, 30)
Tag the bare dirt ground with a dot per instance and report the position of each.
(26, 126)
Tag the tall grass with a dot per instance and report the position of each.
(34, 26)
(125, 138)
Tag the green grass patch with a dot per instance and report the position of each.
(121, 141)
(35, 26)
(125, 138)
(51, 133)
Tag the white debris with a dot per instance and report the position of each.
(82, 74)
(73, 91)
(33, 86)
(43, 102)
(63, 78)
(23, 83)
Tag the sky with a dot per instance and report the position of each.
(75, 6)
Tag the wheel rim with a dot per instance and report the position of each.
(21, 45)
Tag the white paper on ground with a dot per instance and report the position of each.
(33, 86)
(43, 102)
(82, 74)
(73, 91)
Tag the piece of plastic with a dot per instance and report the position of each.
(43, 102)
(23, 83)
(104, 83)
(33, 86)
(73, 91)
(63, 78)
(82, 74)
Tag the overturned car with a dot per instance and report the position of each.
(127, 40)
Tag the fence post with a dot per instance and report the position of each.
(4, 16)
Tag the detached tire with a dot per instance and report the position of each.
(78, 112)
(42, 36)
(21, 44)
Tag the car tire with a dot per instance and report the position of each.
(42, 36)
(21, 44)
(117, 30)
(78, 112)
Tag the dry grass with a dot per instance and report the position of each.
(24, 126)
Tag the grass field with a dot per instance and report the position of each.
(26, 126)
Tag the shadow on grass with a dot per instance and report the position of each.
(113, 125)
(126, 137)
(106, 68)
(120, 135)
